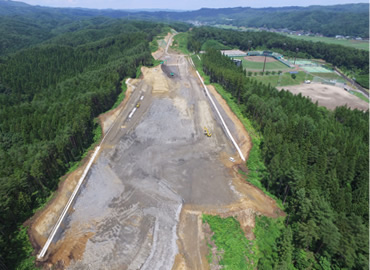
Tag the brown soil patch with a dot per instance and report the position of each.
(107, 119)
(328, 96)
(179, 263)
(44, 220)
(260, 59)
(159, 53)
(216, 254)
(71, 249)
(156, 78)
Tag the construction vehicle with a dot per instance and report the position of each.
(207, 133)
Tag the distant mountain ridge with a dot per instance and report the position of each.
(346, 20)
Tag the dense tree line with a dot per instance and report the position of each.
(49, 97)
(347, 20)
(340, 56)
(22, 25)
(317, 163)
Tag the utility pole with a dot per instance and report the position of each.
(296, 52)
(264, 64)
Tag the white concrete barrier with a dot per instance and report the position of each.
(68, 205)
(222, 120)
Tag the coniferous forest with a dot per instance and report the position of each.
(49, 97)
(317, 163)
(59, 69)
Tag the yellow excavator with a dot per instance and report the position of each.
(207, 133)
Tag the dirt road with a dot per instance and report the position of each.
(156, 174)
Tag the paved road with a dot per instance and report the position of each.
(149, 167)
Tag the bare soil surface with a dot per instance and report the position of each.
(161, 48)
(156, 173)
(243, 139)
(43, 221)
(260, 59)
(328, 96)
(107, 119)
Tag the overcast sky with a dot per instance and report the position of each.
(182, 4)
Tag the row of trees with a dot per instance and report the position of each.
(49, 97)
(340, 56)
(317, 163)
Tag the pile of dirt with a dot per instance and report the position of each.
(156, 78)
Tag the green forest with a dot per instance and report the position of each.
(317, 164)
(347, 20)
(61, 68)
(49, 97)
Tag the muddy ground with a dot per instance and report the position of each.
(328, 96)
(142, 201)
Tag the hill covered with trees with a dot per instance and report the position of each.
(346, 20)
(316, 162)
(50, 94)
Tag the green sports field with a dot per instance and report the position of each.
(284, 79)
(258, 66)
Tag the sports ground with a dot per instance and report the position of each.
(255, 63)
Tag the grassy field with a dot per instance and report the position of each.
(285, 79)
(230, 239)
(180, 42)
(211, 43)
(330, 76)
(362, 45)
(249, 65)
(359, 95)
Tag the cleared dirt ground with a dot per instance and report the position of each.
(328, 96)
(142, 201)
(260, 59)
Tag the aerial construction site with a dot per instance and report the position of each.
(169, 154)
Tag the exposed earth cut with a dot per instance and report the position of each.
(141, 204)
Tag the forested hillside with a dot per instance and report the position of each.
(49, 97)
(346, 20)
(317, 163)
(354, 60)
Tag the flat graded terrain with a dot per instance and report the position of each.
(156, 173)
(328, 96)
